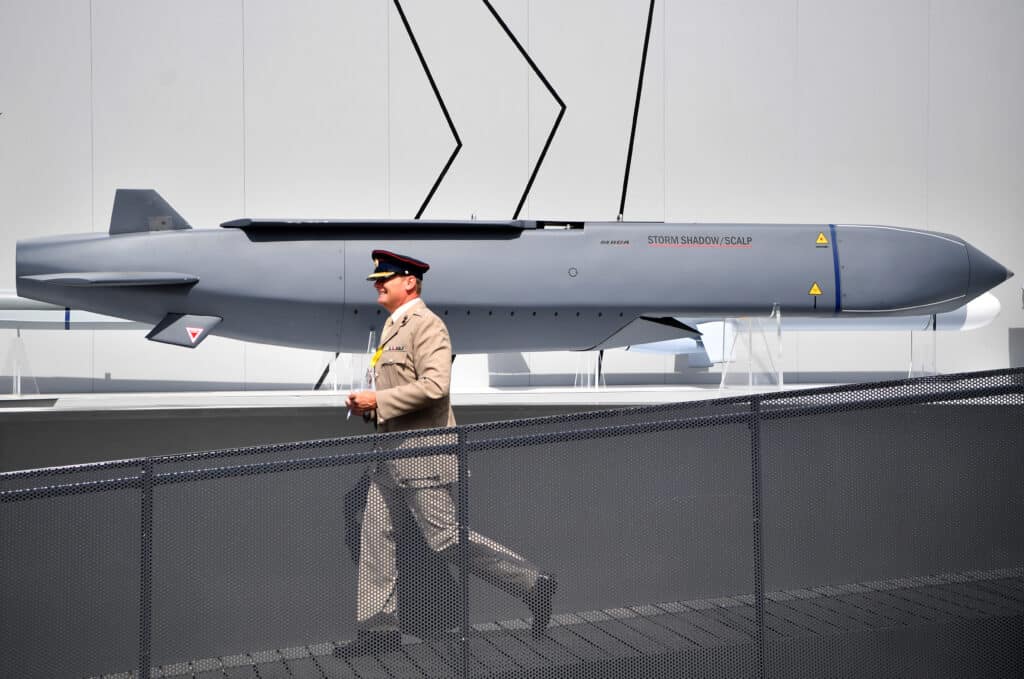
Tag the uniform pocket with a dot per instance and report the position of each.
(420, 481)
(398, 364)
(394, 357)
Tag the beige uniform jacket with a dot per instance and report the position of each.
(413, 378)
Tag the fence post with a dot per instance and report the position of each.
(755, 488)
(146, 571)
(463, 517)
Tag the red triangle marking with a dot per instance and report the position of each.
(194, 333)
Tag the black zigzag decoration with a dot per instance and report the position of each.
(561, 104)
(636, 109)
(444, 109)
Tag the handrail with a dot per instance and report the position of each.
(378, 453)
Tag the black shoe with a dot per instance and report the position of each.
(538, 600)
(372, 642)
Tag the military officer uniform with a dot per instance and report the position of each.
(412, 373)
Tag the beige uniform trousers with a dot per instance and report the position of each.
(434, 511)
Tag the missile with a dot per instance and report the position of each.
(519, 285)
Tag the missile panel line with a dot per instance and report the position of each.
(835, 265)
(900, 228)
(551, 90)
(636, 109)
(906, 308)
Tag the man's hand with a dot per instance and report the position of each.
(360, 402)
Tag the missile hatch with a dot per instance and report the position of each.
(384, 225)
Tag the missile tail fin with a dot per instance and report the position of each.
(143, 210)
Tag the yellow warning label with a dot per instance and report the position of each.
(815, 290)
(822, 240)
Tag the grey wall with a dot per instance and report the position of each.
(903, 113)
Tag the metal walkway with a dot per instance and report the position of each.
(668, 639)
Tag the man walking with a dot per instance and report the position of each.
(412, 369)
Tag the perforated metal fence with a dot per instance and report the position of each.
(870, 530)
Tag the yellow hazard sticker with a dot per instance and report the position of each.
(822, 240)
(815, 290)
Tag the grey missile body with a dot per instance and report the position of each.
(500, 286)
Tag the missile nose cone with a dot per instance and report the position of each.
(986, 273)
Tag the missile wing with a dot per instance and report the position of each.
(519, 285)
(114, 278)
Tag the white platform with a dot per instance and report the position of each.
(525, 396)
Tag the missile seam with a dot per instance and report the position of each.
(835, 267)
(905, 308)
(903, 229)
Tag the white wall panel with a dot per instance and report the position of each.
(127, 355)
(731, 110)
(45, 162)
(862, 107)
(265, 365)
(315, 102)
(167, 98)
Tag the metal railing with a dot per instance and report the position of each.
(146, 475)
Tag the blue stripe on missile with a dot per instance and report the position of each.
(67, 318)
(835, 265)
